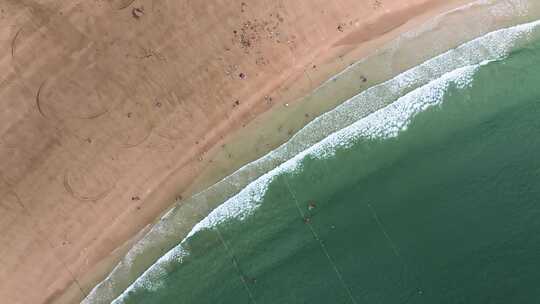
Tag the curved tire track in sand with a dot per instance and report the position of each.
(14, 41)
(41, 102)
(71, 190)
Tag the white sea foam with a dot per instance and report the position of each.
(384, 123)
(345, 124)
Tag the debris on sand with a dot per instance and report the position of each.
(252, 33)
(137, 12)
(261, 61)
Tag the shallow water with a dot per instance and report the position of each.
(431, 199)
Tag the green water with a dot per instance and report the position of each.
(447, 211)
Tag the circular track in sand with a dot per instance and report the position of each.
(82, 94)
(90, 182)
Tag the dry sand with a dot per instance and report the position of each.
(109, 110)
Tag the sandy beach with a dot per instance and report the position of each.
(112, 110)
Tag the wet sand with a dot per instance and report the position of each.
(111, 110)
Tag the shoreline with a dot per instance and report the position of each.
(268, 243)
(294, 94)
(206, 164)
(362, 50)
(242, 204)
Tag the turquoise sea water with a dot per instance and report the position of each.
(432, 199)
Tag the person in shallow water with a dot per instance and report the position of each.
(311, 206)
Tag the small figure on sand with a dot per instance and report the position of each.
(268, 99)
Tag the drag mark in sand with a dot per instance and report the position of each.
(140, 141)
(11, 191)
(38, 99)
(94, 115)
(14, 41)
